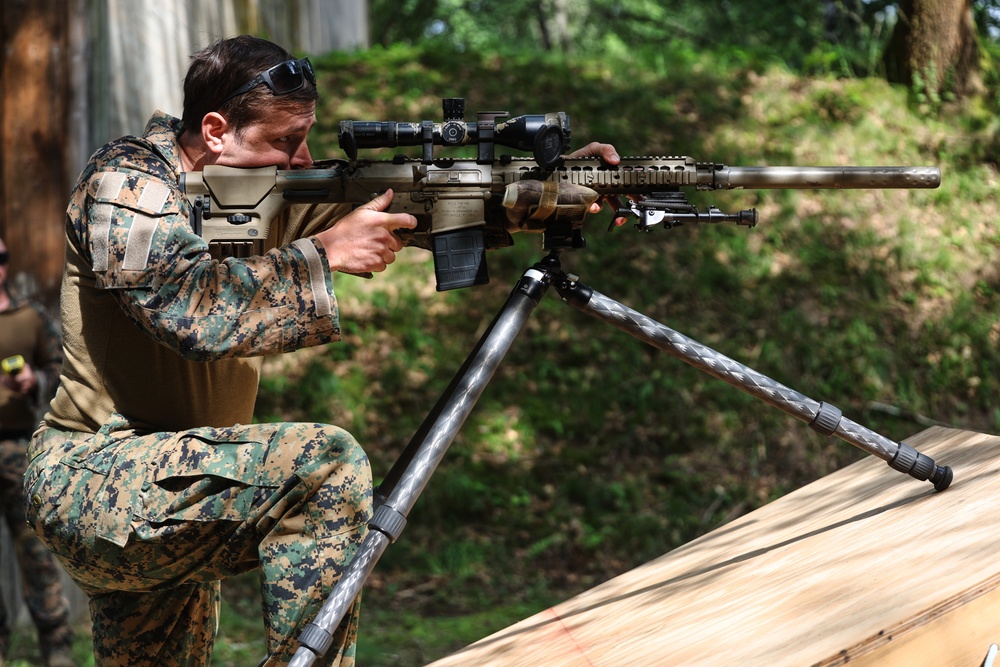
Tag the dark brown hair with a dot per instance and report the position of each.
(223, 67)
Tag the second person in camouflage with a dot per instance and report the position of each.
(28, 334)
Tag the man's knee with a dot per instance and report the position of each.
(328, 449)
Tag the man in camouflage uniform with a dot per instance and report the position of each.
(145, 478)
(30, 341)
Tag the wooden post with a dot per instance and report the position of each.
(34, 77)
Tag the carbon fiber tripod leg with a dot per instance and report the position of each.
(410, 474)
(408, 477)
(821, 417)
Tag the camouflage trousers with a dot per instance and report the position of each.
(43, 593)
(148, 525)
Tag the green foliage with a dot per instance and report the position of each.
(519, 25)
(930, 95)
(590, 453)
(846, 38)
(403, 636)
(842, 37)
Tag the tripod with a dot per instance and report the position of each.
(409, 475)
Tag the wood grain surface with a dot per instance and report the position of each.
(866, 566)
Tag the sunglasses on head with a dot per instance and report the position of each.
(283, 78)
(4, 258)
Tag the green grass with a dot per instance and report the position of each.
(408, 637)
(591, 453)
(23, 650)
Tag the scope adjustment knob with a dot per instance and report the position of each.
(453, 133)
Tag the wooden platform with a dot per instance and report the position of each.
(866, 566)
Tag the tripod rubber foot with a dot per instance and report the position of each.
(942, 478)
(920, 466)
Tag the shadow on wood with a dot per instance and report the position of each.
(866, 566)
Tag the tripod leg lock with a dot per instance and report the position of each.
(920, 466)
(388, 521)
(827, 419)
(315, 638)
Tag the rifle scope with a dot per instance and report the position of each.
(547, 136)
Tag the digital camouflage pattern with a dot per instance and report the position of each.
(43, 593)
(153, 328)
(148, 524)
(26, 329)
(143, 479)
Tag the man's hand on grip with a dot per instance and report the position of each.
(363, 241)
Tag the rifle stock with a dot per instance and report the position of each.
(465, 206)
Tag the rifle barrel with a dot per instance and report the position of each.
(809, 178)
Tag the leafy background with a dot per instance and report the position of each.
(591, 453)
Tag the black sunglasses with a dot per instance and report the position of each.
(283, 78)
(4, 258)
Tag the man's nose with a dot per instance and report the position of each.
(302, 158)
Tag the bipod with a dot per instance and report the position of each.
(397, 494)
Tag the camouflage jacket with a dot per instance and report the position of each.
(154, 328)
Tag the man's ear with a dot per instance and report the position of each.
(214, 131)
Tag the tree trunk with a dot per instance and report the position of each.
(934, 47)
(34, 115)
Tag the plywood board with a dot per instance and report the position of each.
(866, 565)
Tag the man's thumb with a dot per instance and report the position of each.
(379, 203)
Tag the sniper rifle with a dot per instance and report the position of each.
(465, 207)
